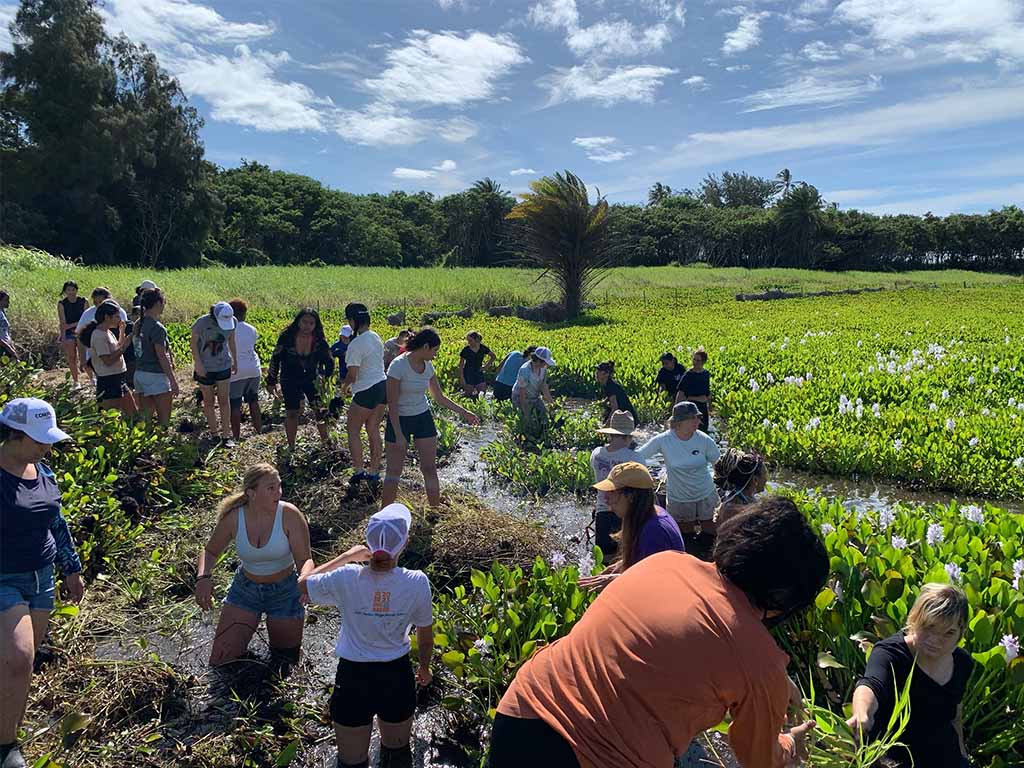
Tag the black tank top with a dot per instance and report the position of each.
(73, 311)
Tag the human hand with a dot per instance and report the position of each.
(472, 419)
(75, 586)
(799, 736)
(423, 676)
(200, 370)
(596, 583)
(175, 389)
(796, 699)
(204, 593)
(360, 553)
(861, 724)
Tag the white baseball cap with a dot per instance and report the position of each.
(346, 331)
(147, 285)
(35, 418)
(388, 530)
(225, 315)
(544, 354)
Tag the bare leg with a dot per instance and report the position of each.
(373, 437)
(255, 416)
(236, 421)
(426, 449)
(285, 634)
(357, 416)
(395, 735)
(234, 631)
(396, 461)
(71, 356)
(291, 424)
(224, 402)
(353, 743)
(17, 652)
(163, 407)
(147, 404)
(209, 407)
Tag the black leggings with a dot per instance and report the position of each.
(517, 742)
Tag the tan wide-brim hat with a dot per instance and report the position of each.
(631, 474)
(621, 423)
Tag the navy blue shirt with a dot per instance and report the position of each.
(338, 350)
(695, 383)
(33, 532)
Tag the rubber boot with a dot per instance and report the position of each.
(396, 758)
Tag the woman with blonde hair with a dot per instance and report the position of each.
(272, 541)
(928, 648)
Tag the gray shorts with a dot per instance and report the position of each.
(247, 390)
(149, 384)
(692, 511)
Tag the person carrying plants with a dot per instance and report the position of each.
(669, 376)
(666, 650)
(245, 379)
(472, 359)
(300, 360)
(530, 392)
(510, 366)
(155, 385)
(108, 357)
(214, 359)
(366, 378)
(615, 395)
(33, 537)
(272, 542)
(70, 309)
(928, 650)
(410, 377)
(378, 605)
(689, 455)
(695, 387)
(98, 296)
(7, 348)
(739, 476)
(618, 449)
(646, 528)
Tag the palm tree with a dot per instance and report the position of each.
(565, 235)
(489, 186)
(784, 181)
(799, 221)
(659, 193)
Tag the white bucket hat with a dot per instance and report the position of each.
(35, 418)
(388, 530)
(543, 353)
(224, 315)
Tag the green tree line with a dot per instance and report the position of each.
(101, 160)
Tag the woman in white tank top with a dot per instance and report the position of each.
(272, 540)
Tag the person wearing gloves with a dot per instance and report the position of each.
(214, 359)
(33, 537)
(530, 391)
(689, 456)
(379, 604)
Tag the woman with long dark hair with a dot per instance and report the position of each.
(301, 358)
(740, 476)
(108, 357)
(646, 527)
(69, 311)
(410, 376)
(615, 397)
(155, 384)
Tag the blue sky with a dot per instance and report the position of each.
(884, 105)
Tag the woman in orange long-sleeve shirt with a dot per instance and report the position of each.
(666, 650)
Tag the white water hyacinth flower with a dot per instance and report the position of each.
(933, 407)
(814, 423)
(859, 411)
(995, 369)
(827, 528)
(898, 542)
(769, 378)
(945, 394)
(986, 411)
(556, 559)
(973, 513)
(754, 387)
(897, 444)
(483, 646)
(954, 573)
(876, 410)
(950, 424)
(1018, 463)
(586, 564)
(1011, 646)
(970, 381)
(790, 426)
(767, 423)
(973, 442)
(886, 517)
(741, 370)
(935, 534)
(1012, 402)
(1018, 573)
(845, 406)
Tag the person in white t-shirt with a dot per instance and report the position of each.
(690, 455)
(410, 377)
(245, 380)
(379, 604)
(618, 450)
(108, 357)
(365, 376)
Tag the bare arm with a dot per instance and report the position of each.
(351, 374)
(425, 652)
(545, 392)
(394, 387)
(358, 554)
(163, 357)
(297, 531)
(233, 347)
(462, 371)
(61, 319)
(193, 344)
(865, 705)
(9, 347)
(442, 399)
(219, 539)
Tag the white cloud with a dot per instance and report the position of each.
(968, 30)
(7, 13)
(746, 35)
(904, 122)
(522, 172)
(819, 51)
(447, 5)
(167, 22)
(458, 130)
(412, 173)
(738, 68)
(608, 39)
(808, 7)
(555, 14)
(592, 82)
(600, 148)
(955, 202)
(811, 90)
(444, 68)
(381, 125)
(445, 166)
(243, 89)
(697, 83)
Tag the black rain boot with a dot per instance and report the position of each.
(396, 758)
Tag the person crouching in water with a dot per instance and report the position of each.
(378, 605)
(739, 476)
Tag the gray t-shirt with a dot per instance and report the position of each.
(151, 334)
(214, 353)
(412, 397)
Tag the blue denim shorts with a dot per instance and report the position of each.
(32, 588)
(279, 600)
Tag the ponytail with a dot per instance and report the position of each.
(607, 366)
(253, 476)
(85, 335)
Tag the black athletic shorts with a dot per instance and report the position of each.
(517, 741)
(413, 427)
(212, 377)
(294, 390)
(502, 391)
(373, 397)
(363, 689)
(474, 376)
(112, 387)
